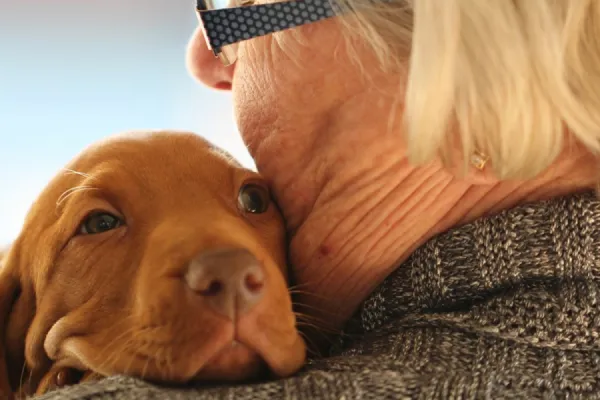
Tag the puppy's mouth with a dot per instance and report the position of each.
(253, 354)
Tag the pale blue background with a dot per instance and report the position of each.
(74, 71)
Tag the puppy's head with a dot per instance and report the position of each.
(153, 255)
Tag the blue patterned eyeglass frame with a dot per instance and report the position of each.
(226, 27)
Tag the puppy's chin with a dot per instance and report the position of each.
(260, 342)
(251, 358)
(235, 362)
(216, 360)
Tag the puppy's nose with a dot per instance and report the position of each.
(230, 280)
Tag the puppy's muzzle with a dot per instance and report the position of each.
(230, 281)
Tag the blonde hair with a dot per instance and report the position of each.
(504, 77)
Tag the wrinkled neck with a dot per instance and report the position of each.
(354, 216)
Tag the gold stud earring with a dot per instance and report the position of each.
(479, 159)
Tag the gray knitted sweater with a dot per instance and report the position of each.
(505, 307)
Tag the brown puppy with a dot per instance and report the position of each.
(154, 255)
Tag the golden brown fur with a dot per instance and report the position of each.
(114, 302)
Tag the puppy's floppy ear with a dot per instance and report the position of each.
(9, 287)
(15, 317)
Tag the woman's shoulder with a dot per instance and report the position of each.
(508, 302)
(535, 244)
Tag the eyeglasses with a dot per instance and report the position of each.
(226, 23)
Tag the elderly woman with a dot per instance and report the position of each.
(435, 162)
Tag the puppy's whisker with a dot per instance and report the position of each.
(319, 328)
(127, 352)
(308, 307)
(134, 337)
(316, 333)
(111, 359)
(30, 378)
(300, 285)
(69, 192)
(131, 350)
(310, 317)
(30, 348)
(69, 171)
(165, 371)
(107, 348)
(108, 360)
(315, 329)
(159, 359)
(305, 293)
(145, 367)
(149, 358)
(22, 377)
(114, 355)
(118, 337)
(170, 363)
(312, 348)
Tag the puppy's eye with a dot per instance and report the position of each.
(253, 198)
(99, 222)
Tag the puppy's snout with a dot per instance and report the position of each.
(231, 281)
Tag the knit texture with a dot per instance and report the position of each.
(505, 307)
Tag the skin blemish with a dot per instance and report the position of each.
(325, 250)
